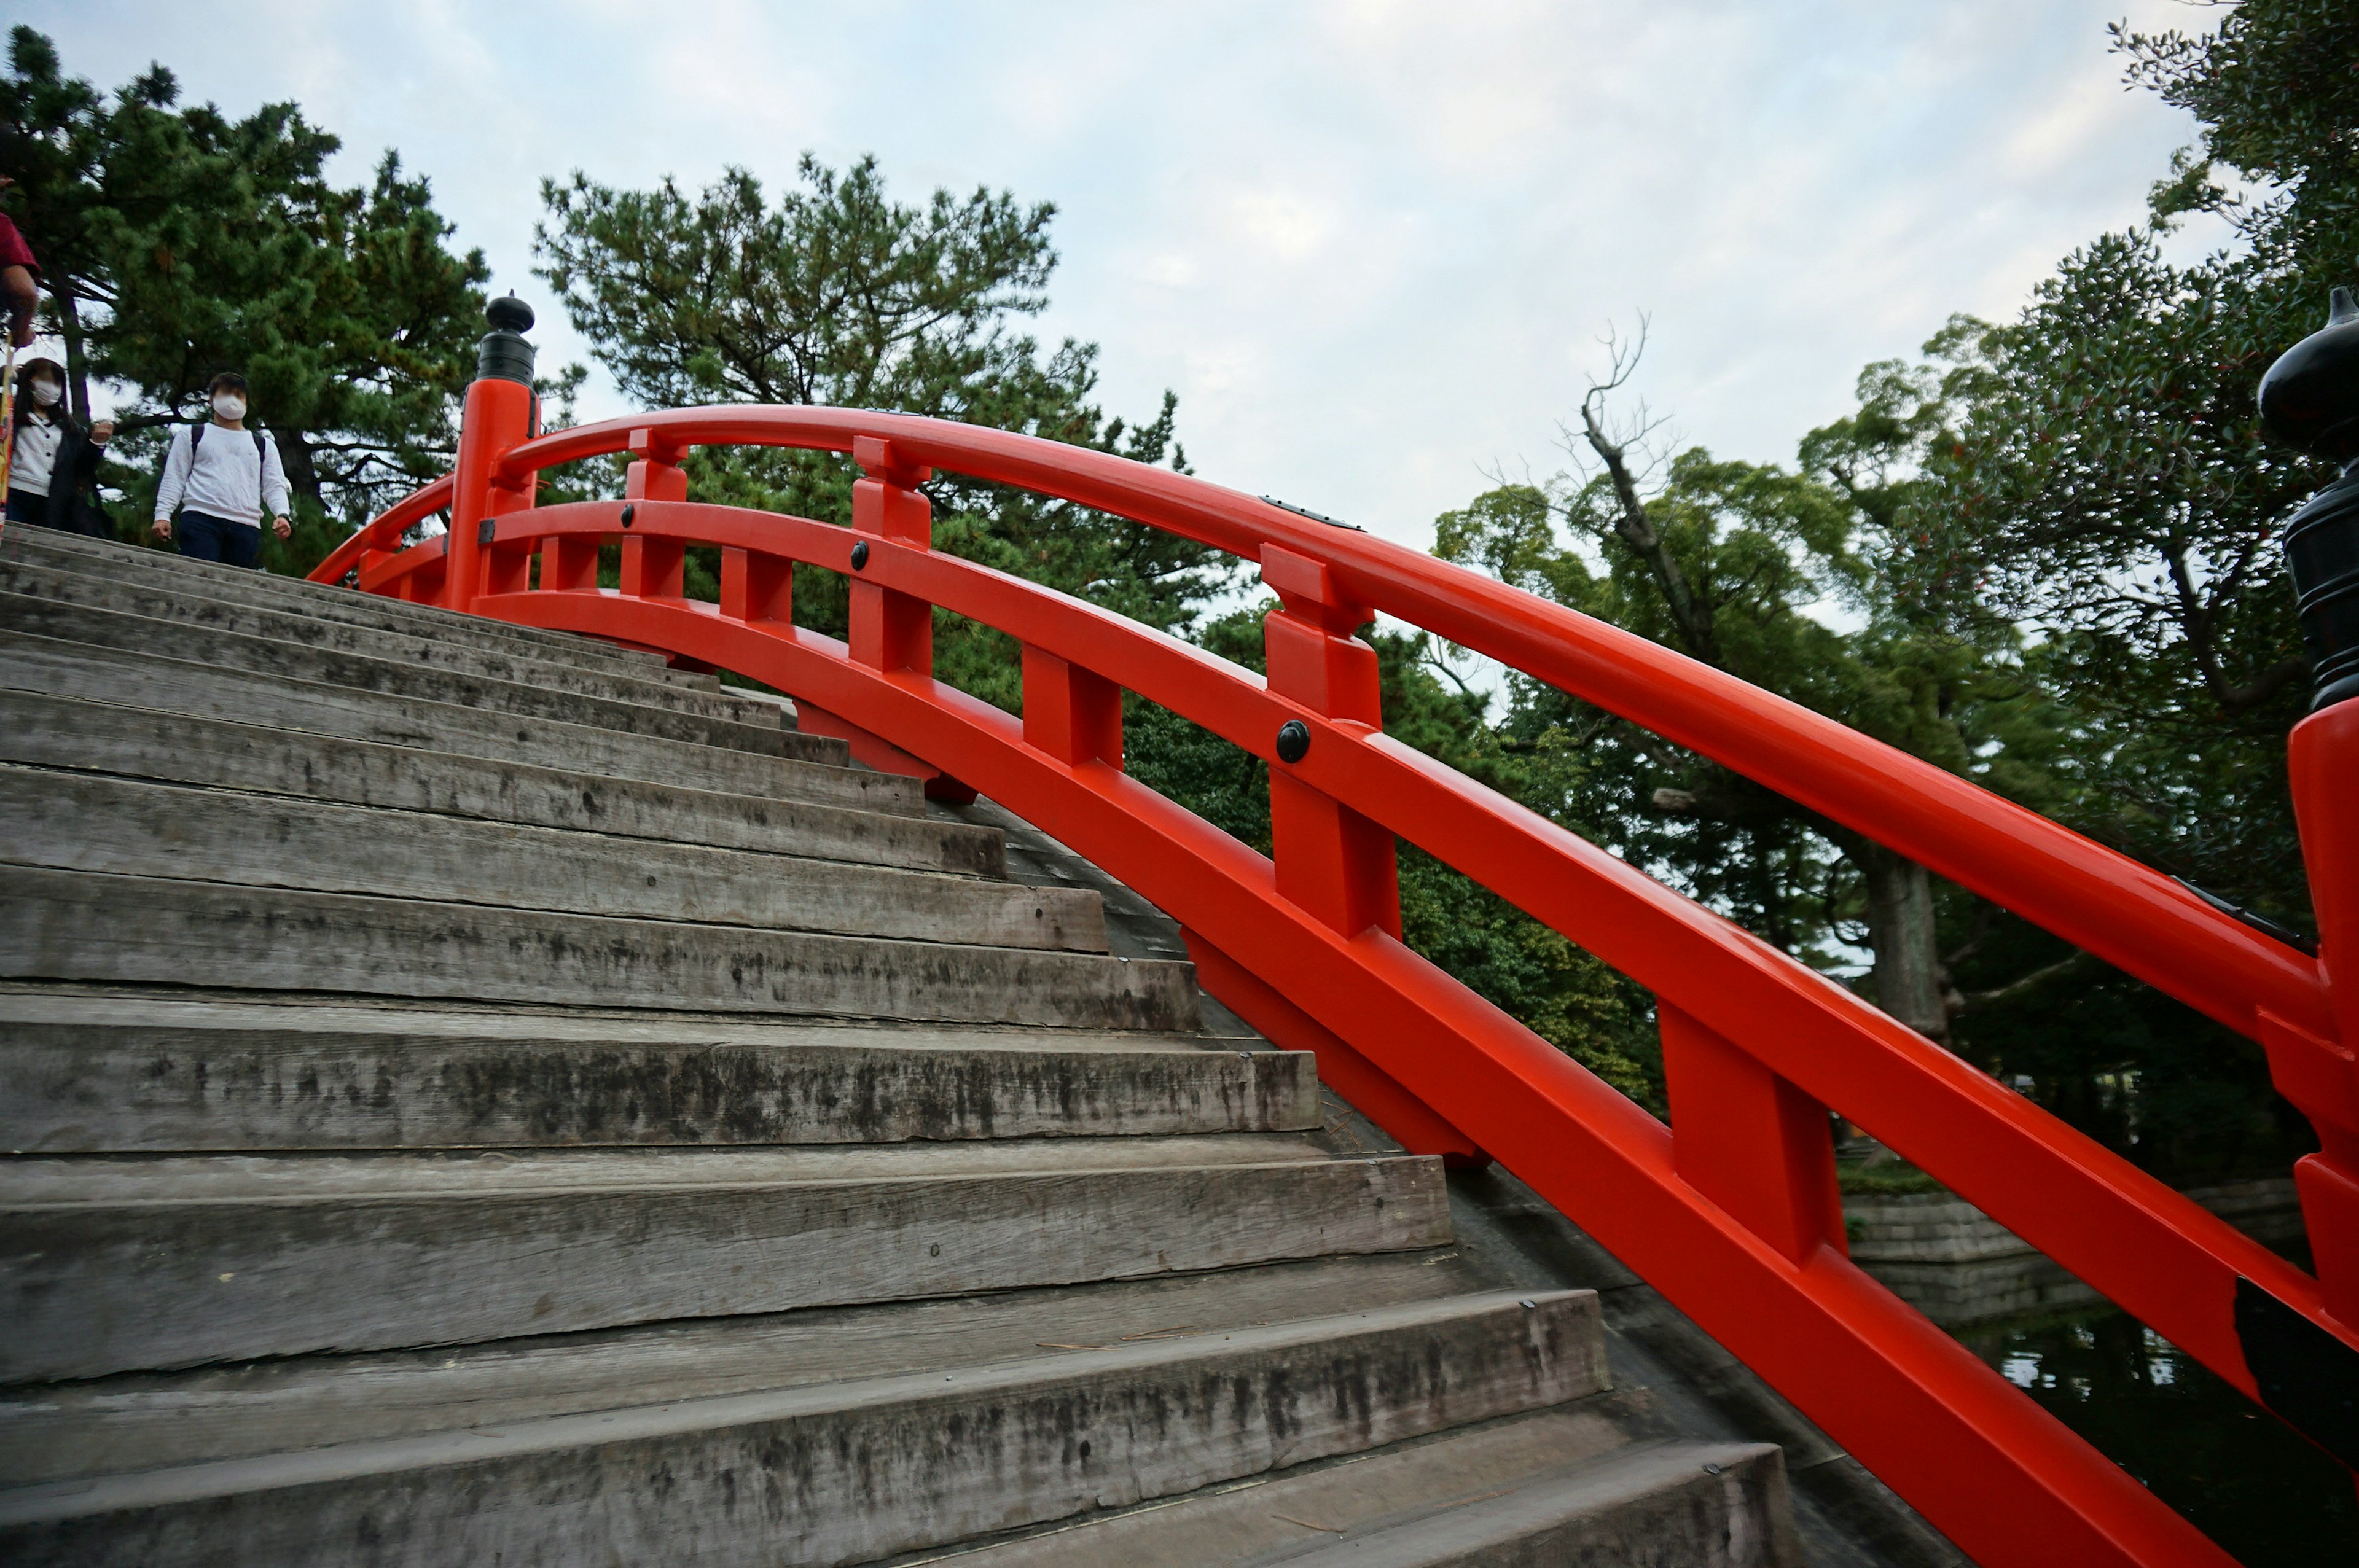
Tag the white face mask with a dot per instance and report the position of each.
(229, 405)
(47, 393)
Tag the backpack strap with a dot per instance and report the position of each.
(196, 434)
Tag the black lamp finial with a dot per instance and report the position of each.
(504, 354)
(2309, 399)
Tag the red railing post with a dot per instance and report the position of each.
(1331, 862)
(1070, 713)
(891, 631)
(1749, 1140)
(653, 567)
(2323, 754)
(498, 415)
(756, 586)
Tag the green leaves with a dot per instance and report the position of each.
(177, 241)
(832, 293)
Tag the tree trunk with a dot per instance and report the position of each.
(1908, 981)
(302, 473)
(77, 363)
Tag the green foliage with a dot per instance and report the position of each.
(176, 239)
(2044, 556)
(835, 294)
(2110, 469)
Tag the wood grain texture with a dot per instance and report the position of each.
(172, 603)
(61, 1432)
(83, 925)
(128, 828)
(138, 742)
(207, 579)
(64, 669)
(32, 615)
(849, 1472)
(70, 1088)
(92, 1288)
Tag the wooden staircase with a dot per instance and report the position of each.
(473, 1094)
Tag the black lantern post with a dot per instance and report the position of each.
(2309, 398)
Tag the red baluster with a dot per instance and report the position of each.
(757, 587)
(1749, 1140)
(891, 631)
(1332, 861)
(653, 567)
(1070, 713)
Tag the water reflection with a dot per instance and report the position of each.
(2240, 1476)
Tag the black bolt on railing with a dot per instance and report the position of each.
(2310, 399)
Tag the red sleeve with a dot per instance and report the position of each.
(14, 251)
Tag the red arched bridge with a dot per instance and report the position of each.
(1731, 1211)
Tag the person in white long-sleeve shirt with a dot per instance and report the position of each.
(220, 476)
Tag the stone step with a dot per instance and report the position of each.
(154, 1421)
(132, 827)
(814, 769)
(123, 930)
(1559, 1485)
(175, 604)
(340, 605)
(848, 1471)
(97, 1072)
(27, 615)
(128, 1263)
(147, 743)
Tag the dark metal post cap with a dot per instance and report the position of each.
(2311, 398)
(509, 314)
(1293, 741)
(504, 354)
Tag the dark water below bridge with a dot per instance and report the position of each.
(2240, 1476)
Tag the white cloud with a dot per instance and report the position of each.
(1369, 242)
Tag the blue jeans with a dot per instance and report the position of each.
(205, 537)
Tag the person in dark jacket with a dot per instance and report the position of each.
(53, 466)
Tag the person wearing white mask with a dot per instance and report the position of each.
(53, 466)
(220, 485)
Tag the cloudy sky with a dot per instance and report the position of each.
(1371, 245)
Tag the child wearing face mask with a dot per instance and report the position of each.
(53, 468)
(225, 474)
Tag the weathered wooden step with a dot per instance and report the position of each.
(1558, 1487)
(813, 768)
(340, 605)
(154, 1421)
(180, 604)
(116, 930)
(86, 822)
(142, 742)
(1718, 1504)
(84, 1074)
(28, 615)
(112, 1265)
(845, 1472)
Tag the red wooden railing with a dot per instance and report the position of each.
(1732, 1211)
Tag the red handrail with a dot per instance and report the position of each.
(2112, 906)
(1732, 1220)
